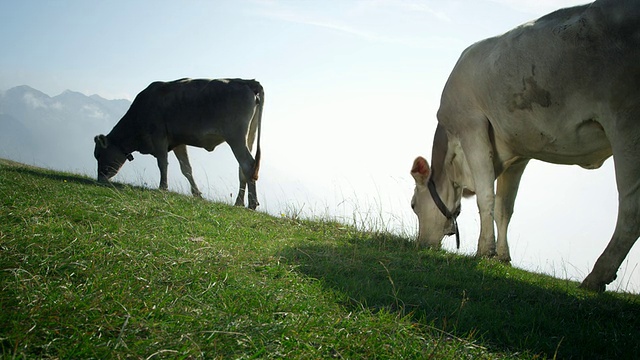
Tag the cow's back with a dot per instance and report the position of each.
(197, 112)
(196, 94)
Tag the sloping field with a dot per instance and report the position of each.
(91, 271)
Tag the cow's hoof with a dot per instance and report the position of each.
(596, 282)
(489, 254)
(591, 285)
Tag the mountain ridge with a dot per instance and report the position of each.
(40, 129)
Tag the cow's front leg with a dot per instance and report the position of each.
(479, 154)
(185, 167)
(162, 165)
(486, 203)
(507, 191)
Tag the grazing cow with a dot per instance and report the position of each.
(563, 89)
(171, 115)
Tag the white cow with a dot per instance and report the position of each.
(563, 89)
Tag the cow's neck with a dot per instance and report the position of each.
(123, 138)
(449, 167)
(450, 178)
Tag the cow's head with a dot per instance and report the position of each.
(110, 158)
(433, 224)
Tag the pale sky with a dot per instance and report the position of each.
(352, 89)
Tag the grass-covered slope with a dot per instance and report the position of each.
(90, 271)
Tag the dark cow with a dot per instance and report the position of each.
(169, 116)
(563, 89)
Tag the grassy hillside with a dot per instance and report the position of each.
(90, 271)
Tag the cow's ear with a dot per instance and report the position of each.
(420, 170)
(101, 140)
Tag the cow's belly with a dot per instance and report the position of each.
(206, 141)
(582, 143)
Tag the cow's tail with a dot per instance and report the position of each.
(257, 120)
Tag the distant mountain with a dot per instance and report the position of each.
(26, 103)
(55, 132)
(118, 106)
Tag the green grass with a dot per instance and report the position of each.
(90, 271)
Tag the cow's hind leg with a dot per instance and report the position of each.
(507, 190)
(247, 167)
(242, 189)
(626, 151)
(185, 167)
(625, 235)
